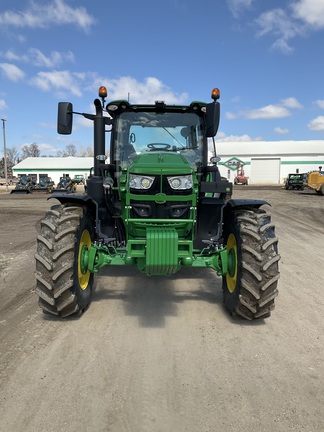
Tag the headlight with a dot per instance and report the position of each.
(180, 182)
(140, 182)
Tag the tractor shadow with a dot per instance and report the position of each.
(154, 298)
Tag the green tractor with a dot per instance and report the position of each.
(160, 205)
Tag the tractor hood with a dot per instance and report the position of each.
(160, 163)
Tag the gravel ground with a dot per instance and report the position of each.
(161, 354)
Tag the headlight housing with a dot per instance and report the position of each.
(181, 182)
(140, 181)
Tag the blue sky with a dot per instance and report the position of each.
(266, 57)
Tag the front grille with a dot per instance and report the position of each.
(168, 210)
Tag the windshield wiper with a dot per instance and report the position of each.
(176, 139)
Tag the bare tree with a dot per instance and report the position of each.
(61, 153)
(70, 150)
(30, 150)
(85, 152)
(2, 164)
(12, 157)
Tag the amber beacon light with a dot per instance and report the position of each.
(215, 94)
(102, 92)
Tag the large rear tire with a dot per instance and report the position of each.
(63, 287)
(250, 286)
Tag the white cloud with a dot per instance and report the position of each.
(291, 102)
(282, 45)
(277, 21)
(221, 136)
(47, 125)
(61, 82)
(236, 6)
(271, 111)
(38, 15)
(83, 122)
(317, 124)
(11, 71)
(9, 55)
(47, 148)
(149, 91)
(281, 24)
(232, 116)
(268, 112)
(281, 131)
(37, 58)
(310, 11)
(320, 103)
(298, 18)
(53, 60)
(3, 104)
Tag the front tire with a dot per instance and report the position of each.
(64, 288)
(250, 286)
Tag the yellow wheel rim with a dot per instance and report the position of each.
(83, 277)
(231, 275)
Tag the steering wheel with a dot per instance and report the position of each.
(158, 146)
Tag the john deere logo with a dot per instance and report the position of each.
(233, 163)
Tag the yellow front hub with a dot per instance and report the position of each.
(231, 275)
(84, 246)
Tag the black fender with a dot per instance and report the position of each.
(77, 199)
(240, 204)
(85, 201)
(245, 203)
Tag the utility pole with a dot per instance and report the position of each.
(5, 152)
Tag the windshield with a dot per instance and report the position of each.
(141, 132)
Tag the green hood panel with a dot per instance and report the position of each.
(160, 162)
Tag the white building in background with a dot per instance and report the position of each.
(269, 161)
(54, 167)
(264, 161)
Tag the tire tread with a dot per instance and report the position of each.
(256, 287)
(55, 258)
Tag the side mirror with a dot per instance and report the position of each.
(213, 115)
(64, 118)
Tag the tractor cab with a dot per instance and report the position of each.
(146, 130)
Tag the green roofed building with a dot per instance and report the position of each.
(269, 161)
(54, 167)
